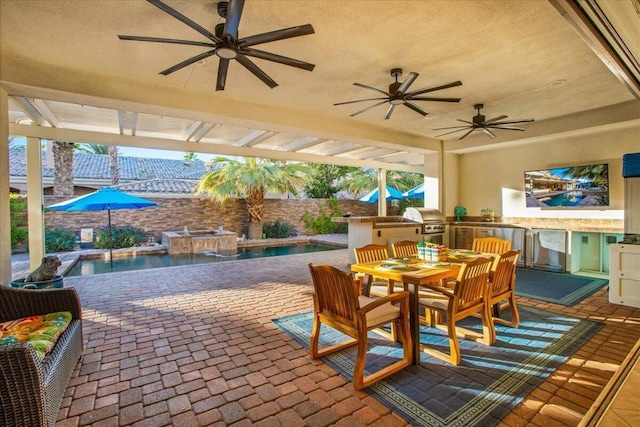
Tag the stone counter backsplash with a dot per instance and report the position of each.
(573, 224)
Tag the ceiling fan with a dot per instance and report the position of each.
(398, 94)
(225, 44)
(479, 123)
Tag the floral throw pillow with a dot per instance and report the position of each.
(40, 331)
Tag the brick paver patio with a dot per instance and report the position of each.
(195, 346)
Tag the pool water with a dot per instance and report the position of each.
(89, 266)
(571, 198)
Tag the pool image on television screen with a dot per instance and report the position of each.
(573, 186)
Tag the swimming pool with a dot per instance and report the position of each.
(89, 266)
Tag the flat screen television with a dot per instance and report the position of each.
(568, 187)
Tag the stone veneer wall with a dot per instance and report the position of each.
(199, 214)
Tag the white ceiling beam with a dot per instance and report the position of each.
(258, 137)
(395, 153)
(341, 149)
(354, 151)
(31, 111)
(376, 152)
(121, 122)
(188, 134)
(134, 123)
(302, 143)
(202, 131)
(46, 112)
(74, 135)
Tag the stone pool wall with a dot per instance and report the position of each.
(200, 213)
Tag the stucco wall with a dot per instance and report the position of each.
(495, 179)
(198, 214)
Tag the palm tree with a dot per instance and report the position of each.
(63, 168)
(250, 178)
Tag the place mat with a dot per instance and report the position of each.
(398, 267)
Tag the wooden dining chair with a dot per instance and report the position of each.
(373, 285)
(502, 283)
(491, 245)
(468, 296)
(337, 305)
(405, 248)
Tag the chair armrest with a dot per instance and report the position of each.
(19, 303)
(391, 298)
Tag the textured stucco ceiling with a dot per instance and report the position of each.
(506, 53)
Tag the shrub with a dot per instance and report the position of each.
(277, 230)
(17, 208)
(123, 237)
(57, 240)
(322, 223)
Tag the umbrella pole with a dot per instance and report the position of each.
(110, 238)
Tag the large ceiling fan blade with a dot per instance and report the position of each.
(432, 98)
(277, 58)
(368, 108)
(372, 88)
(189, 61)
(447, 133)
(513, 122)
(416, 108)
(435, 88)
(452, 127)
(223, 66)
(506, 127)
(246, 62)
(495, 119)
(466, 134)
(465, 121)
(359, 100)
(286, 33)
(180, 17)
(488, 132)
(406, 83)
(389, 111)
(234, 13)
(163, 40)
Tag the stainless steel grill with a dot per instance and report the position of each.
(432, 220)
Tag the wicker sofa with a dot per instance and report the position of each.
(31, 390)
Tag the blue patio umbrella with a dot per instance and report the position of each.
(105, 199)
(372, 197)
(416, 192)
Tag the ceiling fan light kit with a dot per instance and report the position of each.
(225, 43)
(399, 94)
(480, 123)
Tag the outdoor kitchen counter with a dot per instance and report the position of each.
(578, 228)
(365, 230)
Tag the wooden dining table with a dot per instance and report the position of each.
(415, 275)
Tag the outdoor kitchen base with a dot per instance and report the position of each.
(191, 242)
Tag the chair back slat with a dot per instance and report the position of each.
(335, 293)
(370, 253)
(405, 248)
(472, 283)
(503, 272)
(491, 245)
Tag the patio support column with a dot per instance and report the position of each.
(382, 192)
(5, 224)
(35, 202)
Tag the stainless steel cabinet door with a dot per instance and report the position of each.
(549, 250)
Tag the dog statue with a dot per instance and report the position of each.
(46, 271)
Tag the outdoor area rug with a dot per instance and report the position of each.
(487, 385)
(559, 288)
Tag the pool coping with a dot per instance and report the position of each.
(70, 259)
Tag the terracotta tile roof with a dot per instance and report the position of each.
(96, 166)
(166, 186)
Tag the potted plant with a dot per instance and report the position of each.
(459, 212)
(488, 214)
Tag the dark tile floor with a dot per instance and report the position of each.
(195, 345)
